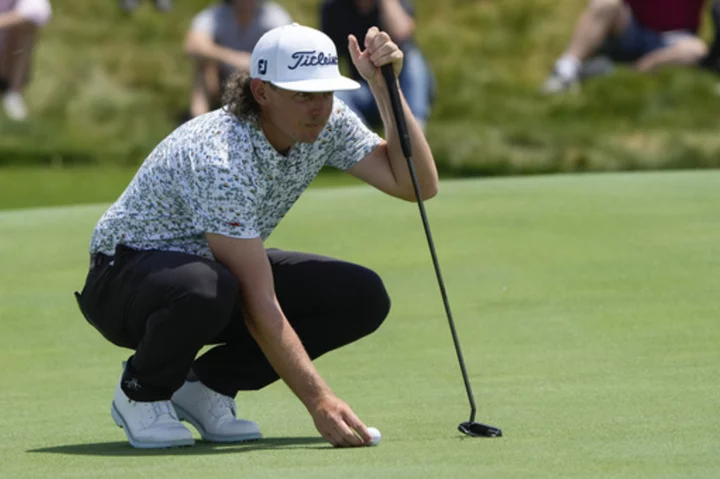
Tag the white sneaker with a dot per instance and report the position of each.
(14, 105)
(212, 414)
(556, 83)
(149, 425)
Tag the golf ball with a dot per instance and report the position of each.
(376, 436)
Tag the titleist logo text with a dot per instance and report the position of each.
(311, 59)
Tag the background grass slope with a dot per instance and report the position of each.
(107, 87)
(587, 307)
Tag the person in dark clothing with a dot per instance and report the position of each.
(339, 18)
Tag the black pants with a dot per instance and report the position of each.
(167, 306)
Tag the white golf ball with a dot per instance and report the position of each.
(376, 436)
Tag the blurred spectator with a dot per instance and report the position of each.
(160, 5)
(712, 61)
(221, 39)
(649, 34)
(339, 18)
(19, 21)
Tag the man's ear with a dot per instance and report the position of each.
(259, 90)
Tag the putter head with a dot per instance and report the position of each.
(475, 429)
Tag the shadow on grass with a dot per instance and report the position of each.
(123, 448)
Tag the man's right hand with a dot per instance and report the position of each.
(248, 262)
(338, 424)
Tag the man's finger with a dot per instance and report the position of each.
(328, 437)
(354, 48)
(358, 426)
(385, 50)
(380, 39)
(333, 437)
(349, 437)
(370, 37)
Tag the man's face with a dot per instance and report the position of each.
(299, 115)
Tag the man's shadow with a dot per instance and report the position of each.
(123, 448)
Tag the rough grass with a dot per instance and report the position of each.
(106, 88)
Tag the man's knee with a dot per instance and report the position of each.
(692, 50)
(374, 301)
(209, 295)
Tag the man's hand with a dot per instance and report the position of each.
(379, 51)
(237, 59)
(338, 424)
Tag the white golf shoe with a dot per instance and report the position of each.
(212, 414)
(149, 425)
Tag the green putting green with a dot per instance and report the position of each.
(587, 307)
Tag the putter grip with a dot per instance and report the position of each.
(396, 104)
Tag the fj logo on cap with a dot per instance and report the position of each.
(262, 66)
(312, 58)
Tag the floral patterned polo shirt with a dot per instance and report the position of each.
(219, 174)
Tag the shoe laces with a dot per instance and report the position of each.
(160, 409)
(222, 402)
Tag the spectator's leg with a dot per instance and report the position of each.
(416, 83)
(206, 88)
(601, 19)
(17, 55)
(684, 50)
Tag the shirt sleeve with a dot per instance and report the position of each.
(353, 141)
(225, 189)
(36, 11)
(205, 22)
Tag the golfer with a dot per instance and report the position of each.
(178, 261)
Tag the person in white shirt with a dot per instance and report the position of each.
(220, 40)
(19, 22)
(178, 262)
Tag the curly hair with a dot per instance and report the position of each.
(238, 98)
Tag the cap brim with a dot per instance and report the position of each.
(319, 85)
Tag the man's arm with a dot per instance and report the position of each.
(396, 20)
(386, 167)
(206, 86)
(11, 19)
(247, 261)
(200, 45)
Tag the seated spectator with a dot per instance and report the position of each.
(160, 5)
(19, 21)
(221, 39)
(339, 18)
(649, 34)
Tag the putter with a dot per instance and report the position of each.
(471, 428)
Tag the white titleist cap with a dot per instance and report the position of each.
(298, 58)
